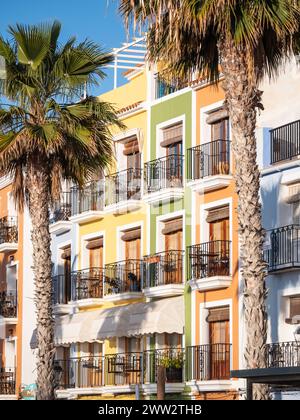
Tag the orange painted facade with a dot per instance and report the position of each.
(206, 97)
(8, 258)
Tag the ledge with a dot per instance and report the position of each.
(8, 246)
(123, 207)
(171, 388)
(87, 216)
(165, 195)
(60, 227)
(211, 283)
(211, 386)
(164, 291)
(88, 303)
(8, 397)
(123, 296)
(62, 309)
(210, 183)
(8, 321)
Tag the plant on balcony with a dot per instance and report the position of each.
(173, 365)
(52, 131)
(243, 41)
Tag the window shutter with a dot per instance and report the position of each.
(216, 116)
(218, 214)
(172, 226)
(172, 135)
(218, 314)
(95, 243)
(131, 235)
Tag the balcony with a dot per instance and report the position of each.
(163, 274)
(163, 180)
(209, 265)
(87, 287)
(60, 215)
(8, 234)
(285, 142)
(123, 280)
(87, 204)
(7, 381)
(120, 372)
(282, 367)
(164, 88)
(283, 355)
(208, 366)
(283, 253)
(8, 306)
(209, 166)
(123, 191)
(61, 297)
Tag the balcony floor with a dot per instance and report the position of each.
(211, 283)
(210, 183)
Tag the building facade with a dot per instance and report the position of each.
(17, 316)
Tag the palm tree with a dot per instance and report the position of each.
(244, 41)
(50, 132)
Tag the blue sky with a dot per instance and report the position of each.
(94, 19)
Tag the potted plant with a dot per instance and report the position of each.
(173, 365)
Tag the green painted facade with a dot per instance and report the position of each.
(168, 109)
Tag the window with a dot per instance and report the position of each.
(95, 249)
(293, 309)
(219, 122)
(296, 213)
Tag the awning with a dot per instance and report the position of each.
(161, 316)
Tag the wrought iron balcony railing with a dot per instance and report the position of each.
(163, 268)
(87, 284)
(90, 198)
(124, 185)
(283, 248)
(8, 230)
(61, 286)
(7, 381)
(285, 142)
(164, 88)
(123, 277)
(166, 172)
(119, 369)
(8, 304)
(208, 362)
(209, 159)
(209, 259)
(62, 208)
(284, 354)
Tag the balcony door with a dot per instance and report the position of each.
(219, 235)
(172, 264)
(220, 129)
(219, 339)
(132, 360)
(172, 142)
(94, 365)
(132, 273)
(66, 257)
(94, 278)
(133, 166)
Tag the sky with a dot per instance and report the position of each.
(97, 20)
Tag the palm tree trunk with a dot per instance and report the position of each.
(242, 98)
(38, 201)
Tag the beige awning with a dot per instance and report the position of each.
(162, 316)
(74, 328)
